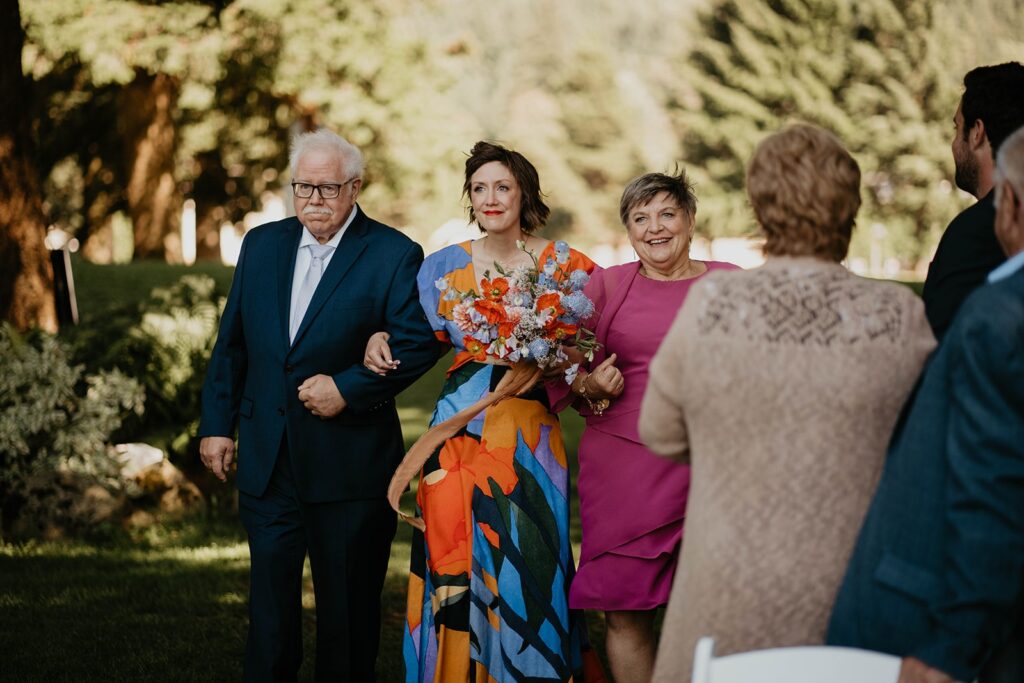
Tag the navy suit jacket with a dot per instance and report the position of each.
(938, 569)
(254, 373)
(967, 253)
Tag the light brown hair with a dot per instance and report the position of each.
(804, 188)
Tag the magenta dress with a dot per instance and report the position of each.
(632, 502)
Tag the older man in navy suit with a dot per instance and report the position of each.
(937, 575)
(318, 434)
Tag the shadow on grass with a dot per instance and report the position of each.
(78, 613)
(171, 608)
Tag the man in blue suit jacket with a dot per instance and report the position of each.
(937, 575)
(318, 434)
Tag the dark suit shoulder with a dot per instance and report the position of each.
(967, 253)
(993, 315)
(970, 239)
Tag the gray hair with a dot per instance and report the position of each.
(323, 140)
(642, 190)
(1010, 164)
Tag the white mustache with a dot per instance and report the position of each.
(322, 210)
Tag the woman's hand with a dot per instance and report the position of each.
(604, 381)
(378, 354)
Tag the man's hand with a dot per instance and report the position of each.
(217, 453)
(321, 397)
(916, 671)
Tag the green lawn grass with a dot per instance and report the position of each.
(99, 288)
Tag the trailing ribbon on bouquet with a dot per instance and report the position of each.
(517, 381)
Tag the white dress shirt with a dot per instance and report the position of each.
(302, 258)
(1012, 265)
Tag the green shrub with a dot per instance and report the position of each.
(164, 343)
(53, 415)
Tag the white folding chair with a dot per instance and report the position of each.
(793, 665)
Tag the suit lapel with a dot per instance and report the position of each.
(287, 250)
(352, 244)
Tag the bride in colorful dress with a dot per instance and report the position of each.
(488, 585)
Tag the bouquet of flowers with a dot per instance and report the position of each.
(526, 314)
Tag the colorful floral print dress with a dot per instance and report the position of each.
(488, 586)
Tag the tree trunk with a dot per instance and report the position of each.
(154, 202)
(26, 276)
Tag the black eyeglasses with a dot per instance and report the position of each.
(326, 190)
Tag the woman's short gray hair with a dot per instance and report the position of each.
(642, 190)
(324, 140)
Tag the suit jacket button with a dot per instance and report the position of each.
(289, 368)
(280, 411)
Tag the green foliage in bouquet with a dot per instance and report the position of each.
(53, 414)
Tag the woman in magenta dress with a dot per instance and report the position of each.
(632, 503)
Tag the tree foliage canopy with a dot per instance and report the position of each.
(594, 92)
(878, 73)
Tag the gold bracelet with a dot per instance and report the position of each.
(597, 406)
(582, 393)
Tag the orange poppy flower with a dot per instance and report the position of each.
(553, 301)
(492, 311)
(494, 289)
(560, 330)
(475, 348)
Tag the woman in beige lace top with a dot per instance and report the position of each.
(781, 386)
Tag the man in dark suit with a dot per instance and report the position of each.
(937, 575)
(318, 434)
(991, 108)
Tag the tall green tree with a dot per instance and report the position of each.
(351, 66)
(576, 85)
(878, 73)
(26, 277)
(147, 103)
(112, 73)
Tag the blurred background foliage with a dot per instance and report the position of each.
(139, 105)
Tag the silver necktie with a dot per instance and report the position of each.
(317, 252)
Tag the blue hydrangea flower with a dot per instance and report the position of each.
(441, 283)
(539, 348)
(578, 279)
(561, 251)
(547, 282)
(550, 267)
(578, 304)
